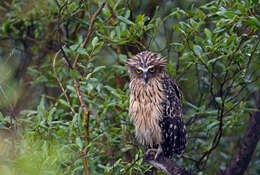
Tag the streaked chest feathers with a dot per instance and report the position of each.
(145, 110)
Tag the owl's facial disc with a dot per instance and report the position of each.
(146, 72)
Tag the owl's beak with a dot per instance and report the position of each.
(145, 77)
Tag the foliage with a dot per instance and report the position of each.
(212, 50)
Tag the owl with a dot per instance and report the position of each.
(155, 106)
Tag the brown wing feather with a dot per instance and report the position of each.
(172, 123)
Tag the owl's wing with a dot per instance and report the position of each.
(172, 122)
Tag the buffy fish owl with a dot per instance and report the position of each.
(156, 105)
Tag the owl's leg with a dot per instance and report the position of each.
(158, 152)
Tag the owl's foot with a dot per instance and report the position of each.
(158, 152)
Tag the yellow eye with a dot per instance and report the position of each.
(139, 71)
(152, 69)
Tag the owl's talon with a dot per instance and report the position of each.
(158, 152)
(151, 150)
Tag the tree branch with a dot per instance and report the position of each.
(244, 152)
(84, 114)
(60, 83)
(164, 164)
(90, 30)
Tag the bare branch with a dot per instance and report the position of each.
(59, 82)
(245, 150)
(84, 114)
(164, 164)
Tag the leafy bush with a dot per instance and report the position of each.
(212, 50)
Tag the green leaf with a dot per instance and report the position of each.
(215, 59)
(97, 69)
(218, 100)
(74, 73)
(94, 41)
(119, 69)
(253, 21)
(212, 112)
(1, 117)
(63, 102)
(71, 88)
(191, 105)
(212, 125)
(127, 148)
(79, 142)
(127, 13)
(82, 51)
(28, 112)
(125, 20)
(112, 34)
(74, 47)
(98, 48)
(227, 14)
(5, 27)
(251, 110)
(50, 116)
(208, 33)
(174, 12)
(112, 91)
(122, 58)
(198, 50)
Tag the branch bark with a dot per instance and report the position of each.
(84, 114)
(83, 105)
(164, 164)
(244, 152)
(60, 83)
(90, 31)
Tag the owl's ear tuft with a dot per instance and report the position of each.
(127, 63)
(160, 62)
(131, 62)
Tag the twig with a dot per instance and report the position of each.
(217, 136)
(59, 82)
(83, 105)
(193, 119)
(90, 30)
(66, 58)
(84, 116)
(132, 164)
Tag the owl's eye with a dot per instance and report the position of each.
(152, 69)
(139, 71)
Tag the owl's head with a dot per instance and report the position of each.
(145, 65)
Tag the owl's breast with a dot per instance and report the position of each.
(145, 111)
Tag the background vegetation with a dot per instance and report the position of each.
(64, 86)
